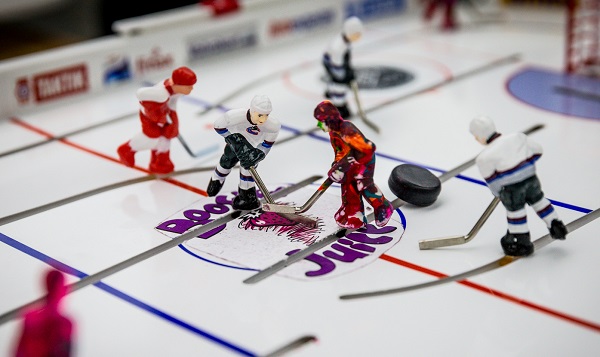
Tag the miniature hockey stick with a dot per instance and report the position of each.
(291, 215)
(456, 240)
(282, 208)
(361, 112)
(94, 278)
(199, 153)
(505, 260)
(282, 264)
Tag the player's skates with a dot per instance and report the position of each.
(126, 154)
(214, 187)
(383, 213)
(246, 199)
(160, 162)
(517, 245)
(558, 229)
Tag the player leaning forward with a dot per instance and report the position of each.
(508, 166)
(249, 134)
(159, 120)
(353, 168)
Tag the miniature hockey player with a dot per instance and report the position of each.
(353, 168)
(159, 119)
(449, 21)
(47, 332)
(338, 64)
(508, 166)
(249, 134)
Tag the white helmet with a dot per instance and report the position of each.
(261, 104)
(482, 127)
(352, 25)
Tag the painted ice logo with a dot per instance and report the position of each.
(254, 130)
(257, 239)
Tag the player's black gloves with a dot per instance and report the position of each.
(246, 153)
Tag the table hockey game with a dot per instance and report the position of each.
(143, 285)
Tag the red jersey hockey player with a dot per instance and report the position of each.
(160, 123)
(353, 168)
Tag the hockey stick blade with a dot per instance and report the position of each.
(505, 260)
(457, 240)
(267, 195)
(282, 208)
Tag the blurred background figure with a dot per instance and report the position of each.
(448, 9)
(46, 332)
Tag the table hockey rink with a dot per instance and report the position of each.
(182, 302)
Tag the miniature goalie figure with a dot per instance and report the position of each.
(353, 168)
(337, 61)
(249, 135)
(508, 166)
(46, 331)
(160, 123)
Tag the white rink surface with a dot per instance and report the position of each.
(174, 304)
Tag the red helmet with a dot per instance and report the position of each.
(183, 76)
(326, 110)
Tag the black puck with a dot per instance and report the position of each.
(414, 184)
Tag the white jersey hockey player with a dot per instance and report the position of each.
(337, 61)
(249, 134)
(508, 166)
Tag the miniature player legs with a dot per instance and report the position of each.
(337, 93)
(351, 213)
(517, 241)
(160, 161)
(246, 198)
(226, 163)
(371, 192)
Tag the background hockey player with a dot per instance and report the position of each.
(447, 8)
(249, 134)
(508, 166)
(337, 61)
(353, 168)
(46, 330)
(160, 123)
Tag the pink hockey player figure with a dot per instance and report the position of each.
(46, 331)
(249, 134)
(449, 21)
(160, 123)
(508, 166)
(337, 61)
(353, 168)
